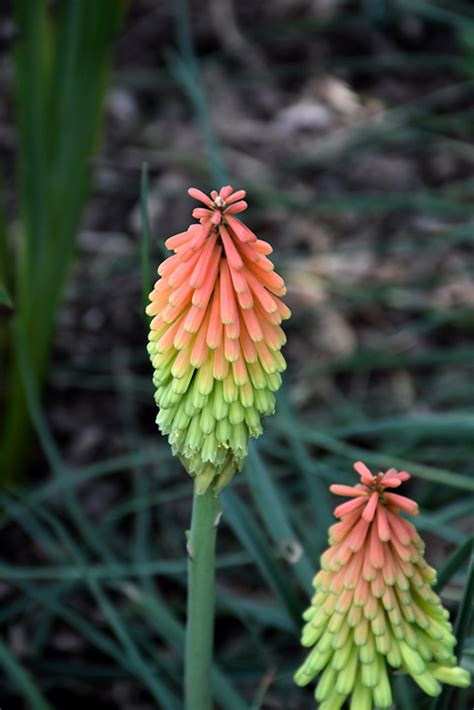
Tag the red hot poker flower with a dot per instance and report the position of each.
(215, 338)
(374, 607)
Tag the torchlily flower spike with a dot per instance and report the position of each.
(215, 339)
(374, 607)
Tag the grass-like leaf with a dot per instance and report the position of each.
(271, 506)
(23, 680)
(239, 517)
(61, 69)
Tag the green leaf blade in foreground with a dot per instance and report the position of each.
(22, 680)
(241, 520)
(272, 509)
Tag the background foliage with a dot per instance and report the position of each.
(350, 126)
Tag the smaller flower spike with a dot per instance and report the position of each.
(374, 608)
(215, 339)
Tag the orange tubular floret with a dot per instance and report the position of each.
(236, 196)
(199, 195)
(349, 507)
(351, 491)
(233, 257)
(371, 507)
(382, 524)
(227, 297)
(199, 274)
(215, 327)
(405, 504)
(243, 233)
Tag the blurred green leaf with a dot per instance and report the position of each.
(454, 563)
(341, 448)
(170, 629)
(145, 236)
(61, 69)
(271, 506)
(23, 680)
(5, 299)
(241, 520)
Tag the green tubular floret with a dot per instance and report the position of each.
(442, 653)
(169, 398)
(336, 622)
(230, 390)
(164, 419)
(326, 684)
(454, 676)
(309, 613)
(361, 633)
(205, 381)
(198, 399)
(310, 635)
(341, 656)
(280, 361)
(361, 696)
(438, 631)
(246, 395)
(303, 676)
(189, 407)
(273, 381)
(181, 386)
(334, 702)
(181, 419)
(252, 419)
(265, 401)
(424, 647)
(412, 659)
(236, 412)
(194, 437)
(426, 681)
(382, 691)
(346, 676)
(383, 644)
(410, 637)
(257, 375)
(367, 651)
(319, 659)
(370, 672)
(341, 636)
(176, 437)
(209, 449)
(223, 430)
(239, 437)
(206, 420)
(326, 640)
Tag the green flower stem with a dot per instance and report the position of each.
(200, 622)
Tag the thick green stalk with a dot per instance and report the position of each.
(200, 621)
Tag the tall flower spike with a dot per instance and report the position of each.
(374, 607)
(215, 339)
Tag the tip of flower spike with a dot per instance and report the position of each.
(373, 492)
(226, 201)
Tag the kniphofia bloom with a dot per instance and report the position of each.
(374, 606)
(215, 338)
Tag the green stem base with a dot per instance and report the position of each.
(200, 622)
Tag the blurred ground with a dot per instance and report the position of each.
(350, 126)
